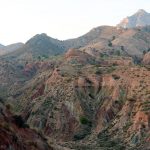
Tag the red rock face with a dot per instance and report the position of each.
(55, 76)
(111, 105)
(91, 81)
(14, 136)
(141, 120)
(66, 125)
(76, 56)
(72, 52)
(106, 100)
(32, 68)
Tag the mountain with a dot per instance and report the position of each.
(42, 44)
(105, 40)
(87, 93)
(13, 47)
(38, 47)
(10, 48)
(108, 40)
(139, 19)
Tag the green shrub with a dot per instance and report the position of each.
(109, 44)
(79, 137)
(127, 125)
(111, 69)
(84, 120)
(9, 106)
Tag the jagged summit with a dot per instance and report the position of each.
(139, 19)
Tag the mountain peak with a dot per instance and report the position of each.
(141, 11)
(139, 19)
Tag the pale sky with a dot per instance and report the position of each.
(61, 19)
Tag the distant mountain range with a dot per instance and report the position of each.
(10, 48)
(101, 40)
(139, 19)
(98, 40)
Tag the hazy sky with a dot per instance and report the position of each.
(62, 19)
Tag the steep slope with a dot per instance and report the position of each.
(75, 98)
(113, 41)
(15, 74)
(140, 18)
(86, 105)
(15, 134)
(93, 36)
(134, 42)
(107, 40)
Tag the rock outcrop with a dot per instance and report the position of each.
(139, 19)
(15, 134)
